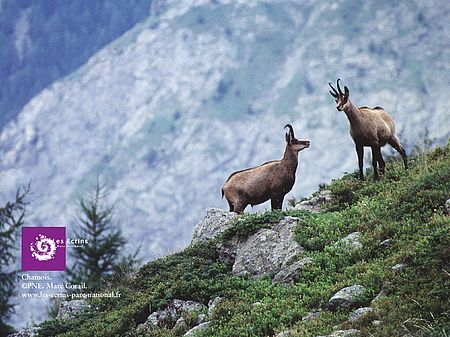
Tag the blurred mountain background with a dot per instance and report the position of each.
(162, 100)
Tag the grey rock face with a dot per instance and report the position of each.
(68, 309)
(197, 328)
(386, 243)
(290, 273)
(215, 222)
(181, 325)
(311, 316)
(377, 322)
(344, 333)
(447, 206)
(268, 250)
(166, 317)
(360, 314)
(352, 241)
(399, 267)
(315, 203)
(212, 304)
(286, 333)
(30, 332)
(347, 297)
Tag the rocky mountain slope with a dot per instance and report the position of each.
(43, 41)
(164, 113)
(370, 261)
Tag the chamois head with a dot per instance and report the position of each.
(296, 144)
(340, 98)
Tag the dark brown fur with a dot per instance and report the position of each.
(368, 127)
(271, 180)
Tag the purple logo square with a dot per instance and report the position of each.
(43, 248)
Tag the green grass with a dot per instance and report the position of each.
(405, 206)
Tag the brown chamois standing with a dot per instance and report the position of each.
(271, 180)
(368, 127)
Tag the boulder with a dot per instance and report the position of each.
(68, 309)
(360, 314)
(344, 333)
(315, 204)
(181, 325)
(268, 251)
(377, 322)
(166, 318)
(286, 333)
(399, 267)
(311, 316)
(197, 328)
(347, 297)
(386, 243)
(215, 222)
(351, 241)
(290, 273)
(201, 318)
(447, 206)
(212, 304)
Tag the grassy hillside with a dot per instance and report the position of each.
(406, 207)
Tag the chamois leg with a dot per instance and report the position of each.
(395, 143)
(239, 206)
(381, 163)
(276, 202)
(231, 206)
(375, 150)
(360, 152)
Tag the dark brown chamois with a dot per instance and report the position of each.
(271, 180)
(368, 127)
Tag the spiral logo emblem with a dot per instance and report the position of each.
(43, 249)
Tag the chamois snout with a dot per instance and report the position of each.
(301, 144)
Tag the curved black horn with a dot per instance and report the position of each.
(334, 90)
(291, 130)
(339, 88)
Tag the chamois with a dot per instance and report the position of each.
(271, 180)
(368, 127)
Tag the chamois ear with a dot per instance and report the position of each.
(291, 131)
(288, 138)
(346, 91)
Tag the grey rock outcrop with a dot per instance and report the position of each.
(344, 333)
(386, 243)
(215, 222)
(68, 309)
(347, 297)
(399, 267)
(351, 241)
(311, 316)
(268, 251)
(377, 322)
(197, 328)
(212, 304)
(290, 273)
(167, 317)
(447, 206)
(360, 314)
(286, 333)
(315, 204)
